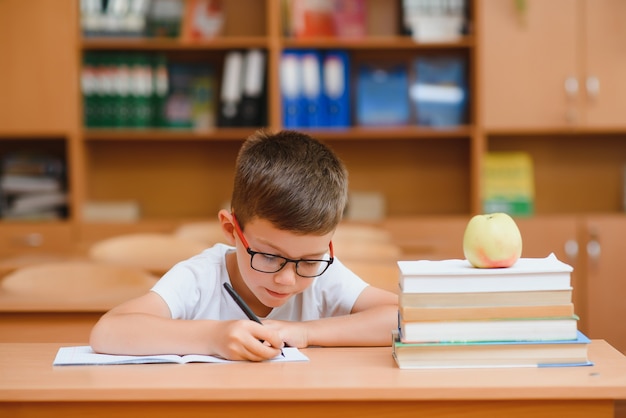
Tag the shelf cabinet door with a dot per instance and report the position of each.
(38, 75)
(605, 281)
(558, 234)
(605, 59)
(526, 59)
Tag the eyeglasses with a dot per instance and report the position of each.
(271, 263)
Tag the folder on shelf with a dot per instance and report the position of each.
(440, 92)
(311, 65)
(253, 93)
(336, 88)
(382, 95)
(231, 91)
(291, 89)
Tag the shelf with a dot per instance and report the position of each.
(236, 134)
(218, 134)
(173, 44)
(377, 43)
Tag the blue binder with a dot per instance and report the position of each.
(336, 88)
(291, 89)
(315, 110)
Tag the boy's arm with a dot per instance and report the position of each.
(143, 326)
(373, 317)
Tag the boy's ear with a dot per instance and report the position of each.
(226, 220)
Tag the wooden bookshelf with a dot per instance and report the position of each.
(516, 71)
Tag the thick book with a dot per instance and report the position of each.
(516, 329)
(495, 299)
(85, 356)
(427, 276)
(409, 313)
(491, 354)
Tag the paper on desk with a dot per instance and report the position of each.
(84, 355)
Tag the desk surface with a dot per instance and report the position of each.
(338, 374)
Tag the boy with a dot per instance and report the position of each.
(289, 195)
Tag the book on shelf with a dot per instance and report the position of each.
(24, 183)
(325, 18)
(203, 19)
(439, 91)
(508, 183)
(456, 275)
(514, 329)
(35, 202)
(491, 354)
(191, 102)
(382, 97)
(84, 355)
(410, 313)
(494, 299)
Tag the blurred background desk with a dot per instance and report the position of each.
(336, 382)
(61, 301)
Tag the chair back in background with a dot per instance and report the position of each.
(206, 232)
(154, 252)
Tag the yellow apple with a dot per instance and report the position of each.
(492, 240)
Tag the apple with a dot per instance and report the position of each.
(492, 240)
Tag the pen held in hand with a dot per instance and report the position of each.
(244, 307)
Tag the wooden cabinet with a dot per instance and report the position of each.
(549, 86)
(39, 106)
(38, 75)
(605, 286)
(555, 64)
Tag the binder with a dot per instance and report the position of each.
(311, 64)
(382, 95)
(252, 108)
(231, 92)
(336, 75)
(291, 89)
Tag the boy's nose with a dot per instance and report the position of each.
(287, 275)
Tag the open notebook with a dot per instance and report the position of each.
(84, 355)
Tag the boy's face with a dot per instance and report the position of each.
(274, 289)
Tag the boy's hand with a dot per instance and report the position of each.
(293, 334)
(247, 340)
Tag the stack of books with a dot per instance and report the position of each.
(32, 187)
(455, 315)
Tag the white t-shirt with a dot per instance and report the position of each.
(193, 289)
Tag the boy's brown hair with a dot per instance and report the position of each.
(291, 180)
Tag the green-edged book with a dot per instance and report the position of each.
(491, 354)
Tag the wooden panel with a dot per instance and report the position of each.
(174, 179)
(425, 177)
(72, 327)
(38, 237)
(430, 238)
(605, 60)
(606, 287)
(524, 62)
(39, 71)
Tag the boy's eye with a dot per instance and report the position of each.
(271, 258)
(311, 263)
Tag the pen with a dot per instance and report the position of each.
(244, 307)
